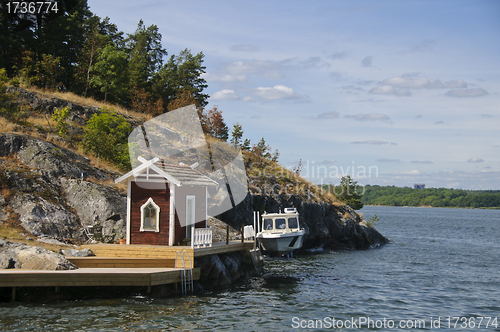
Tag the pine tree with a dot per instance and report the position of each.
(146, 55)
(347, 192)
(182, 73)
(111, 73)
(237, 134)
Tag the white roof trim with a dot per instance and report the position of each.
(145, 165)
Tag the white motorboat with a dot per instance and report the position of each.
(280, 233)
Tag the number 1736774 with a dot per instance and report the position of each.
(24, 7)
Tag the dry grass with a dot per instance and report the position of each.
(16, 235)
(41, 121)
(85, 101)
(7, 126)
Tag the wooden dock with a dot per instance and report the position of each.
(93, 277)
(121, 265)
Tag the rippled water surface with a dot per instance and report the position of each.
(440, 263)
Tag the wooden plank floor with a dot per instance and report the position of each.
(93, 277)
(121, 262)
(166, 252)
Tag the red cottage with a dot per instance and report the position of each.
(166, 204)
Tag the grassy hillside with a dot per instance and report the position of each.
(265, 175)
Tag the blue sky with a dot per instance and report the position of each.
(392, 92)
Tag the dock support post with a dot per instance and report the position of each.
(149, 289)
(227, 234)
(242, 237)
(13, 294)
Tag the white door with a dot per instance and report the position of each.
(190, 217)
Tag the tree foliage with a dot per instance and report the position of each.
(182, 72)
(111, 76)
(348, 192)
(77, 51)
(146, 55)
(106, 136)
(237, 135)
(435, 197)
(213, 123)
(60, 116)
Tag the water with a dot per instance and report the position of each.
(440, 263)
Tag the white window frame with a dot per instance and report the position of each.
(193, 211)
(143, 207)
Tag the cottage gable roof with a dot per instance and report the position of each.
(153, 170)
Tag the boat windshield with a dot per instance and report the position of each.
(293, 223)
(268, 224)
(280, 223)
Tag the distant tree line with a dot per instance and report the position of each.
(435, 197)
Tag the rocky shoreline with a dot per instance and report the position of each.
(51, 192)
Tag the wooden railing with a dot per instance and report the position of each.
(202, 237)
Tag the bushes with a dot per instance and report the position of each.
(106, 136)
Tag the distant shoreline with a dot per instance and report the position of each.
(441, 207)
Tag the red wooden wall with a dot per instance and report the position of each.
(160, 193)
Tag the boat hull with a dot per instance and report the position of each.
(281, 243)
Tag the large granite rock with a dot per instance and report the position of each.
(21, 256)
(223, 269)
(41, 217)
(50, 159)
(97, 204)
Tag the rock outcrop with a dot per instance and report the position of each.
(223, 269)
(21, 256)
(327, 226)
(52, 191)
(79, 115)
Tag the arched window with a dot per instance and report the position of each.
(150, 216)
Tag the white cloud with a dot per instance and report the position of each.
(336, 75)
(249, 99)
(329, 115)
(224, 94)
(423, 46)
(368, 117)
(373, 142)
(390, 90)
(421, 162)
(414, 83)
(475, 160)
(277, 92)
(239, 70)
(413, 172)
(338, 55)
(385, 160)
(477, 92)
(244, 48)
(455, 84)
(210, 77)
(367, 61)
(328, 162)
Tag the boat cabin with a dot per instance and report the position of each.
(280, 232)
(166, 204)
(285, 222)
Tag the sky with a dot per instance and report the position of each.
(389, 92)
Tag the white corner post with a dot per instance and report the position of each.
(129, 205)
(171, 223)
